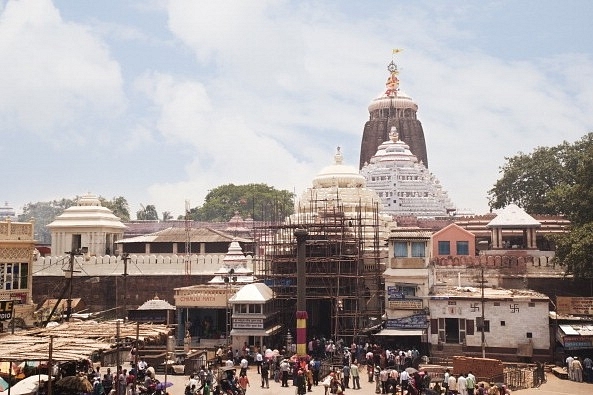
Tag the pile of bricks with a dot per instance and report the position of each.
(482, 368)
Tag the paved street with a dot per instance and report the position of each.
(554, 386)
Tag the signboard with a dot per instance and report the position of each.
(406, 304)
(576, 305)
(416, 321)
(198, 299)
(6, 310)
(17, 297)
(395, 292)
(248, 323)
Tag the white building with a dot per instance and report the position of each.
(88, 224)
(403, 183)
(516, 323)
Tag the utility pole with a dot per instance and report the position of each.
(70, 275)
(482, 281)
(125, 257)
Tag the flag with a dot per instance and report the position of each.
(397, 50)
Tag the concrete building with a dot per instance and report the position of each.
(392, 108)
(17, 248)
(515, 323)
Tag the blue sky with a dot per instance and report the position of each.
(159, 101)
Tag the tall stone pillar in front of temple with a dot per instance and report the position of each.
(301, 313)
(392, 108)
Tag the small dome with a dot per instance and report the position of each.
(339, 175)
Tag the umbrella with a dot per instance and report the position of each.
(27, 385)
(75, 383)
(163, 384)
(411, 370)
(3, 384)
(269, 353)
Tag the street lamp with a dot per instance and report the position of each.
(289, 343)
(228, 279)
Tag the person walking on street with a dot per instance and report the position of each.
(284, 368)
(244, 382)
(355, 373)
(265, 375)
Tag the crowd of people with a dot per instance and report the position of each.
(579, 371)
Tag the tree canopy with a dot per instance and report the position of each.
(258, 201)
(555, 180)
(147, 213)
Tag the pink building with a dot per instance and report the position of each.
(453, 240)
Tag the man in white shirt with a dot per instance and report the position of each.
(258, 360)
(462, 385)
(404, 378)
(452, 385)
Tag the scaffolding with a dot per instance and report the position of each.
(344, 255)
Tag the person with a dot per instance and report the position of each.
(107, 383)
(309, 379)
(300, 383)
(284, 368)
(481, 389)
(404, 378)
(243, 365)
(354, 372)
(243, 382)
(588, 370)
(569, 360)
(315, 367)
(265, 373)
(326, 383)
(346, 376)
(452, 385)
(259, 358)
(462, 385)
(383, 377)
(446, 381)
(577, 370)
(470, 383)
(98, 387)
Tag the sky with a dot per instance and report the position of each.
(161, 101)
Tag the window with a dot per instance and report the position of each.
(479, 325)
(529, 335)
(503, 323)
(418, 249)
(462, 248)
(255, 308)
(531, 304)
(400, 249)
(444, 248)
(14, 275)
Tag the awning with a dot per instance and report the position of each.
(256, 332)
(400, 332)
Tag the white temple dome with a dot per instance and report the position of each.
(339, 175)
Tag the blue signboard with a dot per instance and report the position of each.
(416, 321)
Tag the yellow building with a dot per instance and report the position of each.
(16, 258)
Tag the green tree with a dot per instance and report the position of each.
(555, 180)
(259, 201)
(119, 206)
(44, 213)
(147, 213)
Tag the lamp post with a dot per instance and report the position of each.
(289, 343)
(229, 279)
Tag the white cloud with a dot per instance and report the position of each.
(55, 75)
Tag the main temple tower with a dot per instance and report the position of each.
(393, 108)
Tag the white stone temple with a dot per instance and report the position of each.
(404, 184)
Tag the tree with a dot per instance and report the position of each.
(119, 206)
(167, 216)
(147, 213)
(555, 180)
(44, 213)
(258, 201)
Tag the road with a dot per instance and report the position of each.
(554, 386)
